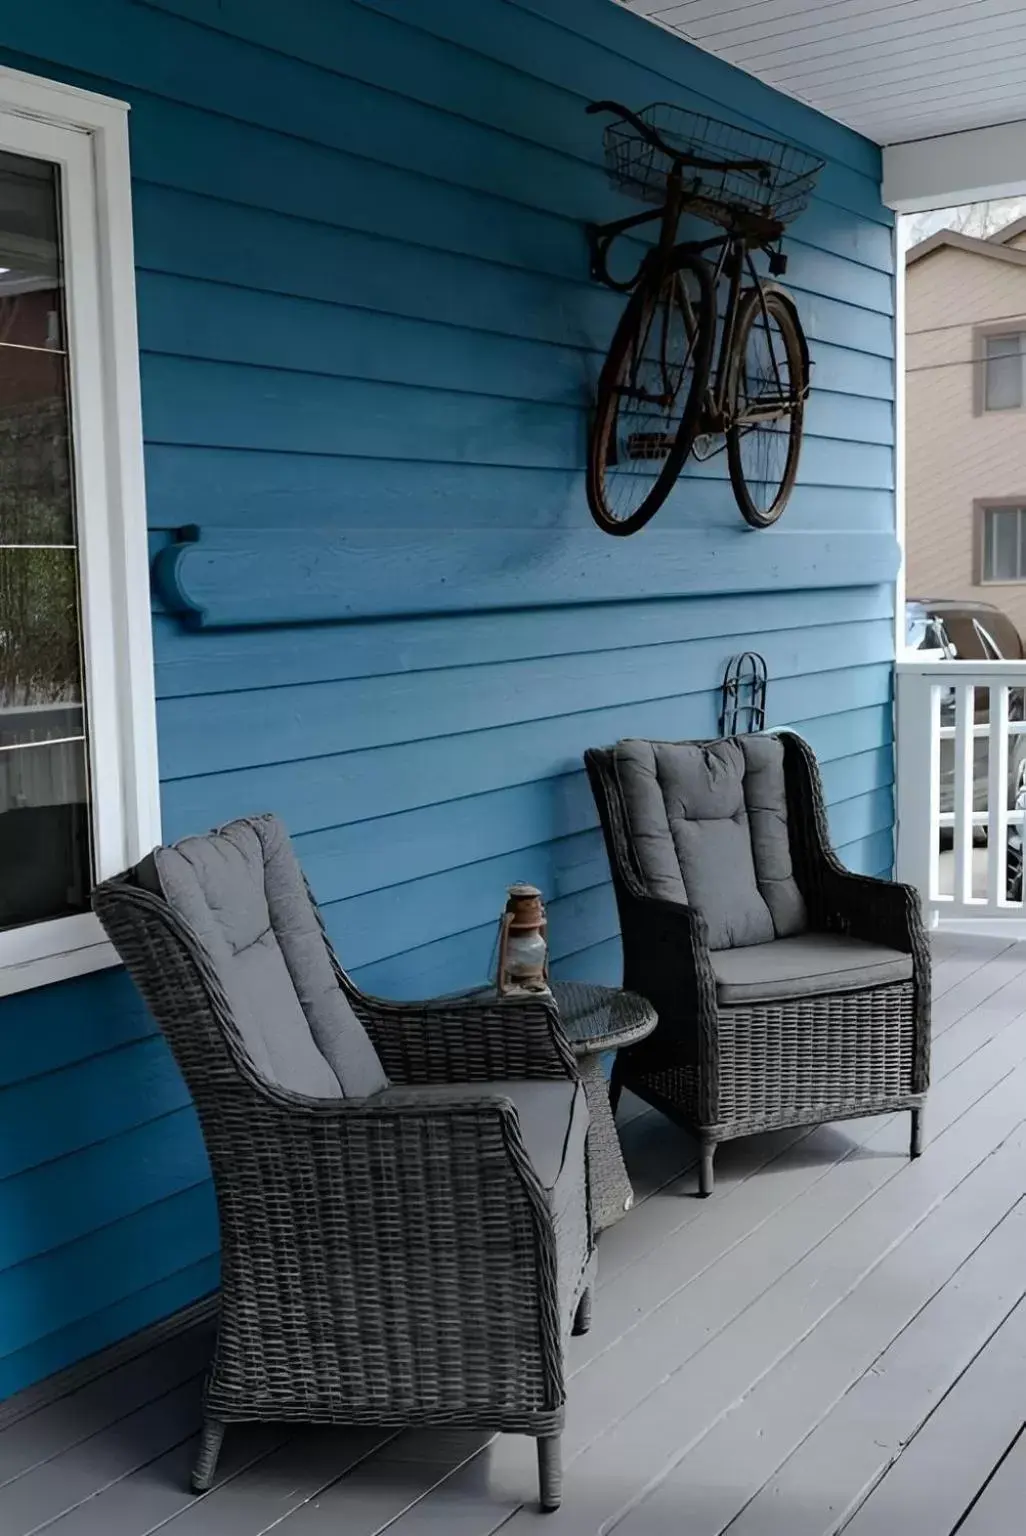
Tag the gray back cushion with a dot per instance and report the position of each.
(242, 893)
(708, 822)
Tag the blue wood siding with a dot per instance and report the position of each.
(365, 311)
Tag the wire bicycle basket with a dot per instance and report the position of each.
(775, 190)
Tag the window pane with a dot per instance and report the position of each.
(35, 479)
(45, 861)
(1004, 366)
(31, 302)
(45, 834)
(35, 458)
(1003, 544)
(40, 651)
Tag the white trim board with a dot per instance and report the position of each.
(955, 168)
(86, 136)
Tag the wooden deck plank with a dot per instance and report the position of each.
(634, 1412)
(151, 1496)
(986, 986)
(655, 1221)
(380, 1491)
(734, 1461)
(276, 1485)
(854, 1442)
(115, 1395)
(956, 956)
(61, 1484)
(999, 1509)
(937, 1474)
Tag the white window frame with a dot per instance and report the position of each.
(1005, 333)
(86, 135)
(988, 510)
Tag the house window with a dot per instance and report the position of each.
(77, 740)
(45, 855)
(1004, 543)
(1003, 371)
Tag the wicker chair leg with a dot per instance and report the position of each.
(705, 1168)
(582, 1318)
(550, 1472)
(916, 1147)
(209, 1451)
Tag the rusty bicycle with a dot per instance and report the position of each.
(709, 354)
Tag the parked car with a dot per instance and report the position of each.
(949, 629)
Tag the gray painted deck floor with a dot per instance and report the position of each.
(835, 1341)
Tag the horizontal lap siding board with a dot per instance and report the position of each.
(365, 311)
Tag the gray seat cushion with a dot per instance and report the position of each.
(242, 893)
(808, 965)
(708, 823)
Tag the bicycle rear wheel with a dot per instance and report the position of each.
(650, 393)
(769, 380)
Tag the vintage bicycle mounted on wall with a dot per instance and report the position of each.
(685, 374)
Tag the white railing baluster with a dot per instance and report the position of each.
(965, 743)
(997, 796)
(929, 739)
(917, 787)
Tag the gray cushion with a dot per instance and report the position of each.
(553, 1115)
(807, 965)
(766, 802)
(708, 821)
(242, 893)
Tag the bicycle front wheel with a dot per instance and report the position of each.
(650, 393)
(768, 382)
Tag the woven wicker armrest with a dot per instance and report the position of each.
(666, 959)
(879, 911)
(402, 1145)
(840, 901)
(382, 1208)
(464, 1040)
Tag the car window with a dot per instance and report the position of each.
(989, 644)
(925, 632)
(937, 638)
(1004, 634)
(966, 644)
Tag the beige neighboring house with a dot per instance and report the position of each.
(966, 418)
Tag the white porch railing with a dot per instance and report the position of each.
(960, 740)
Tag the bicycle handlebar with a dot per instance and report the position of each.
(681, 157)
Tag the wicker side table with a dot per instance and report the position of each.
(596, 1020)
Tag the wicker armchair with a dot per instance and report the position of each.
(789, 990)
(402, 1188)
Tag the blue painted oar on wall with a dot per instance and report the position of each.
(217, 578)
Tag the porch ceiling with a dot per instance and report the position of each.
(895, 70)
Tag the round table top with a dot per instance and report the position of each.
(601, 1018)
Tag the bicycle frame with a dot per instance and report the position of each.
(601, 236)
(734, 262)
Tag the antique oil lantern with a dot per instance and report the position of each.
(523, 952)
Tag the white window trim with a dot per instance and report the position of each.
(87, 135)
(988, 509)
